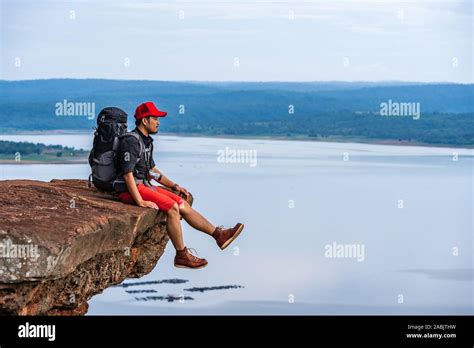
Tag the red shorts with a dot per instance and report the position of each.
(162, 198)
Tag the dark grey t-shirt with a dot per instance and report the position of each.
(128, 152)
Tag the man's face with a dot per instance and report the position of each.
(152, 124)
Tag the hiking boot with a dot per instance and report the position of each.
(185, 259)
(224, 237)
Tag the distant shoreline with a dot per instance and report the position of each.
(84, 159)
(22, 162)
(49, 132)
(389, 142)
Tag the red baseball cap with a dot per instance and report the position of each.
(148, 109)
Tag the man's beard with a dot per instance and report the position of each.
(156, 131)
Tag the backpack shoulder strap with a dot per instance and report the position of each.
(115, 144)
(140, 141)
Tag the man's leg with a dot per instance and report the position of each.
(191, 216)
(222, 236)
(173, 225)
(183, 258)
(170, 207)
(195, 219)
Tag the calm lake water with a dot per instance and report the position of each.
(406, 213)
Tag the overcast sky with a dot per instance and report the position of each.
(346, 40)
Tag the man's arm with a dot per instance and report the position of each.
(165, 181)
(133, 190)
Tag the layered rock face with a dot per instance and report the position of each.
(62, 242)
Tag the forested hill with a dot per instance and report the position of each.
(315, 110)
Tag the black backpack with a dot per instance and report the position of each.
(111, 127)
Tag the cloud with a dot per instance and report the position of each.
(382, 40)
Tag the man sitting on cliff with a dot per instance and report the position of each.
(133, 187)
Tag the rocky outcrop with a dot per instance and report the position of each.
(62, 242)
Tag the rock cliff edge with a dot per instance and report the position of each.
(62, 242)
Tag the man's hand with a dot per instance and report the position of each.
(183, 191)
(137, 197)
(147, 204)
